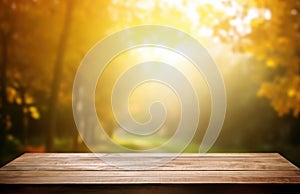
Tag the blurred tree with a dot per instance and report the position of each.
(272, 39)
(33, 40)
(57, 75)
(16, 102)
(24, 71)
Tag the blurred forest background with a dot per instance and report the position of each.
(255, 43)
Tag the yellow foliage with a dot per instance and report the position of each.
(291, 92)
(34, 112)
(283, 94)
(18, 100)
(28, 99)
(271, 63)
(11, 94)
(274, 43)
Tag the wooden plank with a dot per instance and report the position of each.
(189, 155)
(154, 180)
(153, 188)
(52, 168)
(184, 162)
(174, 165)
(138, 177)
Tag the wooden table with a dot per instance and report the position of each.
(188, 173)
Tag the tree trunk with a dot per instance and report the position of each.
(3, 108)
(57, 72)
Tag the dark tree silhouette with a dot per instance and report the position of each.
(57, 75)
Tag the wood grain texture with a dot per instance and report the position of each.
(88, 168)
(153, 188)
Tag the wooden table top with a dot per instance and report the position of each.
(87, 168)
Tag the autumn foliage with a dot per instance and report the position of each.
(255, 43)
